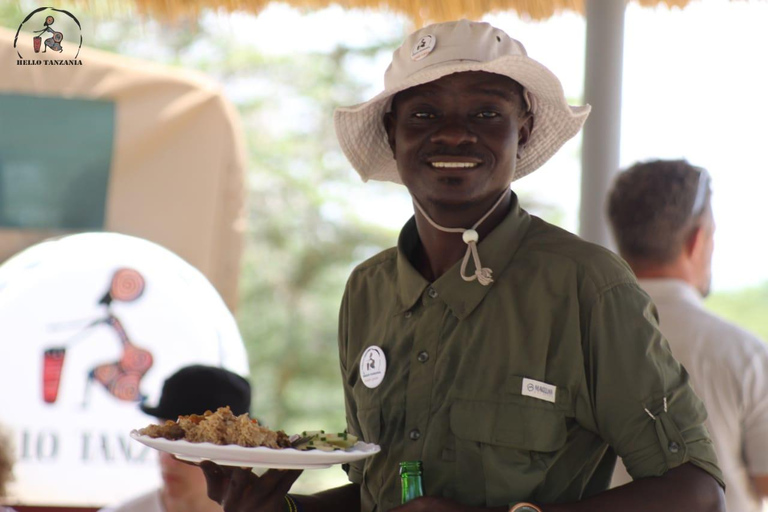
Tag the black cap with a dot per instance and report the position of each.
(196, 389)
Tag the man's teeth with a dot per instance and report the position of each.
(454, 165)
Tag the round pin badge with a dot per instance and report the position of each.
(373, 366)
(423, 47)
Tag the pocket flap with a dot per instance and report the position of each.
(509, 424)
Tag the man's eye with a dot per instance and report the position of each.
(487, 114)
(424, 115)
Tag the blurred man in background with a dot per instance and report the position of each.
(661, 215)
(191, 390)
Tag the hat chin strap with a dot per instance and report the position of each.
(470, 237)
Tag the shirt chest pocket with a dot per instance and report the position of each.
(505, 448)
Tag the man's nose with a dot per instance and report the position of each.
(453, 133)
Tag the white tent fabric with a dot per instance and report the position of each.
(178, 160)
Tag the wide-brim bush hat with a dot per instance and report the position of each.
(199, 388)
(454, 47)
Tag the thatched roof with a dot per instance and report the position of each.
(420, 11)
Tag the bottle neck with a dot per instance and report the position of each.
(410, 467)
(410, 479)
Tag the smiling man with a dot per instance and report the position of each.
(512, 358)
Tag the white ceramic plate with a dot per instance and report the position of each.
(259, 457)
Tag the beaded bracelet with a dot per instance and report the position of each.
(291, 505)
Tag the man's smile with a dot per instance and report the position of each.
(453, 165)
(453, 162)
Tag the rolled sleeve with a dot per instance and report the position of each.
(643, 404)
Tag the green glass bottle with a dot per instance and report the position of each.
(410, 478)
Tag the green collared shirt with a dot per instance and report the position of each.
(521, 390)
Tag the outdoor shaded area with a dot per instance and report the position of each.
(306, 224)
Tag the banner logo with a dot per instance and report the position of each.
(49, 37)
(120, 378)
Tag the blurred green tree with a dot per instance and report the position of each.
(303, 239)
(747, 308)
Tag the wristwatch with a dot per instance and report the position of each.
(524, 507)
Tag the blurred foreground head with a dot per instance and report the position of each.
(661, 216)
(196, 389)
(6, 460)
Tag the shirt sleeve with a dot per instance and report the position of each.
(354, 469)
(643, 404)
(755, 423)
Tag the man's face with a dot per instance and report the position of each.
(455, 139)
(181, 482)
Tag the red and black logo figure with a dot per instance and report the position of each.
(48, 38)
(53, 42)
(121, 378)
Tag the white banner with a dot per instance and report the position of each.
(90, 325)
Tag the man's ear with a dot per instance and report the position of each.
(389, 126)
(694, 244)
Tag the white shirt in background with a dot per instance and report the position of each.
(729, 371)
(150, 502)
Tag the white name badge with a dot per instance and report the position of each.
(373, 366)
(540, 390)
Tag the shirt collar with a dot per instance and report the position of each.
(496, 252)
(670, 289)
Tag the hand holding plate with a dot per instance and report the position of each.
(240, 490)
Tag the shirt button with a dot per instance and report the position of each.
(408, 314)
(674, 447)
(414, 434)
(423, 356)
(432, 293)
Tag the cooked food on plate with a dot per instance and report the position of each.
(319, 440)
(220, 427)
(223, 427)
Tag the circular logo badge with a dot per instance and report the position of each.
(424, 47)
(48, 33)
(373, 366)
